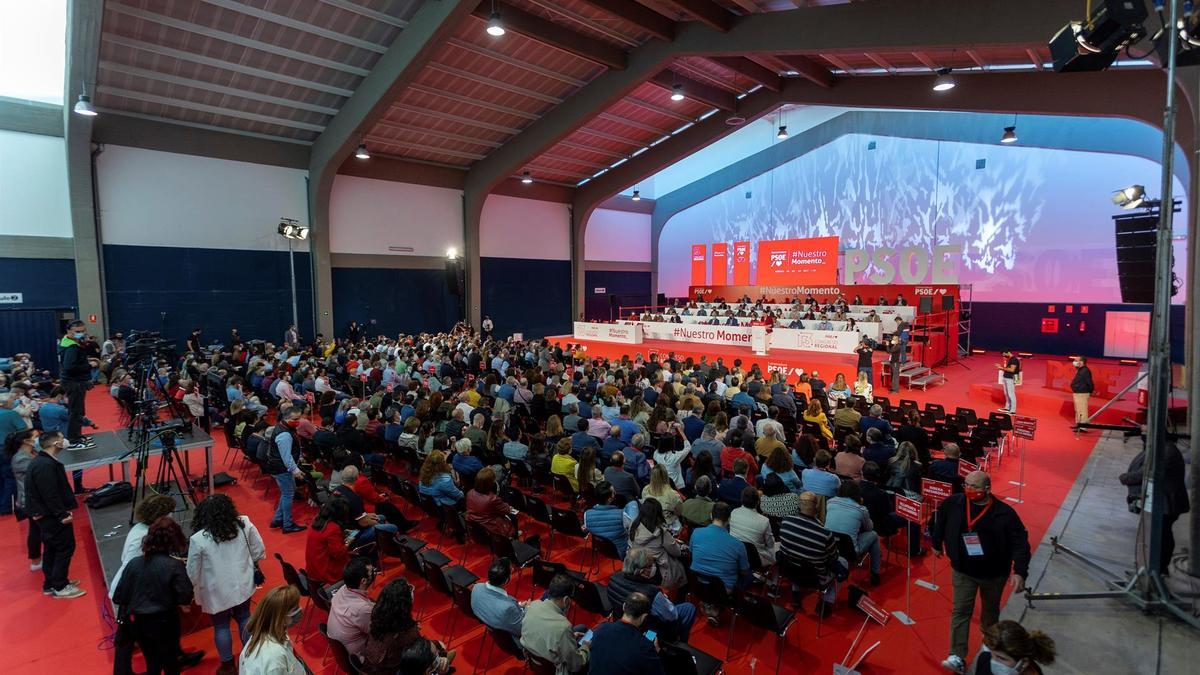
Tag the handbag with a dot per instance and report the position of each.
(259, 577)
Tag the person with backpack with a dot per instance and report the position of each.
(282, 466)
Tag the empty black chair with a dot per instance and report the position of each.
(563, 486)
(937, 410)
(455, 523)
(514, 498)
(883, 401)
(565, 521)
(295, 578)
(1002, 421)
(507, 643)
(592, 597)
(761, 612)
(680, 658)
(545, 570)
(537, 509)
(522, 472)
(711, 590)
(603, 548)
(907, 404)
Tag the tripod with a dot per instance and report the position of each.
(170, 466)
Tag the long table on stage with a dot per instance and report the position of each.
(110, 524)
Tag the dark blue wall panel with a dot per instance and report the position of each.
(629, 289)
(210, 289)
(527, 296)
(45, 284)
(31, 330)
(996, 325)
(393, 301)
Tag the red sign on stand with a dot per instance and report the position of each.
(935, 490)
(868, 606)
(1024, 427)
(908, 509)
(965, 467)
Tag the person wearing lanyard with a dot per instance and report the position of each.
(986, 542)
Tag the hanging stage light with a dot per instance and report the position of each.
(362, 152)
(495, 28)
(945, 81)
(526, 178)
(637, 195)
(677, 92)
(783, 134)
(1010, 135)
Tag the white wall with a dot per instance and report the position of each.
(151, 198)
(367, 216)
(617, 235)
(512, 227)
(33, 186)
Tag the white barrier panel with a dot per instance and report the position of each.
(705, 335)
(870, 329)
(814, 340)
(624, 333)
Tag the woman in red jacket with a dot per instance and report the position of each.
(325, 552)
(485, 507)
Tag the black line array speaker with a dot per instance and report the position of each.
(925, 304)
(1137, 248)
(947, 303)
(454, 276)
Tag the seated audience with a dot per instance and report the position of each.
(730, 489)
(846, 514)
(350, 609)
(778, 500)
(605, 519)
(325, 551)
(672, 621)
(486, 508)
(622, 482)
(877, 450)
(393, 630)
(564, 464)
(803, 538)
(649, 531)
(661, 489)
(820, 480)
(437, 481)
(946, 470)
(547, 634)
(849, 462)
(620, 646)
(494, 606)
(716, 553)
(780, 463)
(746, 524)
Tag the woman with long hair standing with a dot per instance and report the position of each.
(268, 650)
(151, 589)
(19, 449)
(222, 554)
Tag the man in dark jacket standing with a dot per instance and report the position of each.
(986, 542)
(1081, 388)
(76, 374)
(49, 500)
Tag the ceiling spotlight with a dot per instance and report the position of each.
(1010, 135)
(637, 195)
(783, 134)
(452, 253)
(84, 106)
(362, 152)
(677, 92)
(292, 229)
(526, 178)
(1130, 197)
(944, 81)
(495, 28)
(300, 233)
(285, 229)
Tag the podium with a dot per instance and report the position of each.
(758, 338)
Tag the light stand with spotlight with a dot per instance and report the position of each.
(292, 230)
(1146, 588)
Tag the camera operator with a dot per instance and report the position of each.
(76, 375)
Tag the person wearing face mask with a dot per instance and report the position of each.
(986, 543)
(76, 375)
(547, 634)
(639, 574)
(282, 466)
(268, 649)
(1009, 649)
(49, 501)
(1081, 388)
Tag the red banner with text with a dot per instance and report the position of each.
(741, 263)
(720, 264)
(798, 261)
(699, 263)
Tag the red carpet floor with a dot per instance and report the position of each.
(48, 635)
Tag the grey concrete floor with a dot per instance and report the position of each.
(1102, 635)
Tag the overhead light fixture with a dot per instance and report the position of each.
(944, 80)
(84, 106)
(783, 134)
(526, 178)
(451, 253)
(677, 92)
(1094, 42)
(1130, 197)
(495, 28)
(362, 153)
(637, 195)
(1010, 135)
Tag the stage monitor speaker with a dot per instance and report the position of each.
(947, 303)
(454, 280)
(925, 305)
(1137, 236)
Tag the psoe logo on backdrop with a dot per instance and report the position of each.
(778, 258)
(912, 265)
(786, 370)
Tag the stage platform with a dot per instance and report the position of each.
(110, 526)
(113, 447)
(827, 364)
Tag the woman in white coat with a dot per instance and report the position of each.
(221, 557)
